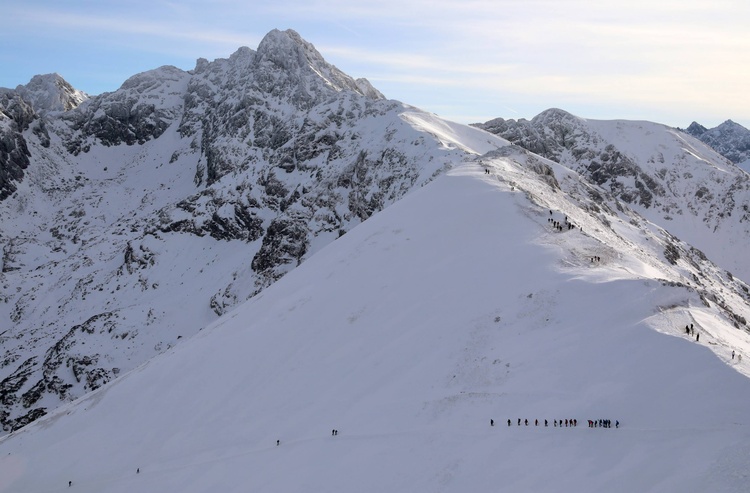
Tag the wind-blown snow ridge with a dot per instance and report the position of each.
(666, 175)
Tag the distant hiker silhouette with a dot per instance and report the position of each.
(70, 483)
(509, 422)
(697, 337)
(526, 422)
(492, 422)
(278, 442)
(519, 421)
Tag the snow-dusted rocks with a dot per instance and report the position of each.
(163, 204)
(731, 139)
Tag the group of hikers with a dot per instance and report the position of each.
(603, 423)
(593, 423)
(690, 330)
(561, 226)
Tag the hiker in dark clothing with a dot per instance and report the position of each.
(697, 337)
(545, 423)
(508, 422)
(278, 442)
(492, 422)
(536, 422)
(519, 421)
(526, 422)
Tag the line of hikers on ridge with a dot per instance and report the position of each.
(568, 423)
(690, 330)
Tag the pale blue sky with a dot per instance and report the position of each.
(667, 61)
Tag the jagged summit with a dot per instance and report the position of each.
(731, 139)
(696, 129)
(50, 92)
(287, 50)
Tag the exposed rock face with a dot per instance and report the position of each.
(167, 202)
(24, 108)
(731, 139)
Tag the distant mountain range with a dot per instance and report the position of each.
(730, 139)
(133, 219)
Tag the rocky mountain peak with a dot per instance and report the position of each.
(299, 59)
(696, 129)
(554, 115)
(289, 51)
(50, 92)
(730, 139)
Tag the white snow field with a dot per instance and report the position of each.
(454, 306)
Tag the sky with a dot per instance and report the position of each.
(671, 62)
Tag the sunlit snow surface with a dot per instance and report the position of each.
(456, 305)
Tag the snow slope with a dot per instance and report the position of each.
(458, 304)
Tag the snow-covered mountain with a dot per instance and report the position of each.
(469, 300)
(136, 218)
(469, 280)
(731, 139)
(666, 175)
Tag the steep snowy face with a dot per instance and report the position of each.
(143, 214)
(730, 139)
(669, 177)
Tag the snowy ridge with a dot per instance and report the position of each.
(669, 177)
(458, 304)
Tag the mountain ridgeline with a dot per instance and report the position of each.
(133, 219)
(193, 188)
(663, 173)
